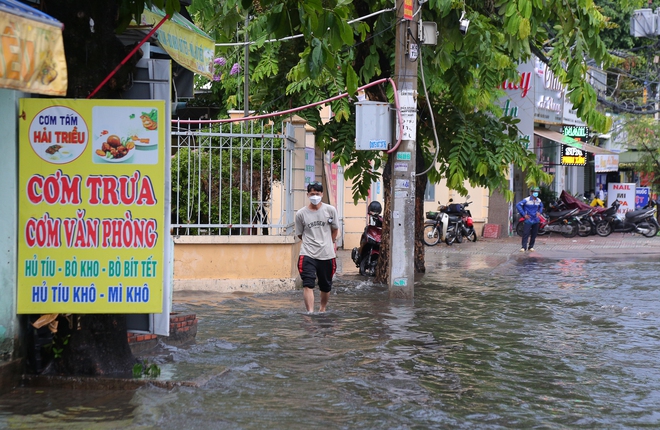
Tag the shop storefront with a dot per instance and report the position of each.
(556, 135)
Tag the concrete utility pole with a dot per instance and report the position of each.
(402, 218)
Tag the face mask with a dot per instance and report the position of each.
(535, 194)
(315, 200)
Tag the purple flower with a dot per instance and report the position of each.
(236, 68)
(217, 77)
(220, 61)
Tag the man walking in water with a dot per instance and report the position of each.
(317, 227)
(530, 208)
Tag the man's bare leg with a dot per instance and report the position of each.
(308, 298)
(324, 300)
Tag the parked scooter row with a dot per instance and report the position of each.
(556, 220)
(570, 217)
(450, 223)
(642, 221)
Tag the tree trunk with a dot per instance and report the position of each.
(420, 190)
(92, 344)
(383, 267)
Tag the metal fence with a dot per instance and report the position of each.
(232, 178)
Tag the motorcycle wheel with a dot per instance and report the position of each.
(472, 236)
(652, 231)
(584, 230)
(459, 237)
(431, 235)
(519, 228)
(450, 239)
(603, 228)
(572, 232)
(368, 265)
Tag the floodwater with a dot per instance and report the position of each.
(489, 342)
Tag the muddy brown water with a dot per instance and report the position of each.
(490, 341)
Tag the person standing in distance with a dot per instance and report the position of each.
(317, 227)
(530, 208)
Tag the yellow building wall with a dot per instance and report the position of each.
(235, 263)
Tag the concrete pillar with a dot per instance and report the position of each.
(8, 232)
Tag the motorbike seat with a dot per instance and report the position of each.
(454, 218)
(637, 213)
(559, 214)
(609, 211)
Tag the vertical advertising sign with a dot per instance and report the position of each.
(310, 166)
(91, 206)
(519, 101)
(642, 196)
(549, 95)
(624, 193)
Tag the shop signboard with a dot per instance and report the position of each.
(519, 101)
(572, 156)
(606, 163)
(642, 195)
(92, 212)
(625, 193)
(548, 95)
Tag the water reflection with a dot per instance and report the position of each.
(489, 342)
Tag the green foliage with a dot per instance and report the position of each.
(132, 9)
(144, 369)
(207, 186)
(643, 135)
(58, 344)
(463, 73)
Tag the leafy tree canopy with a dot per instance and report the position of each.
(337, 50)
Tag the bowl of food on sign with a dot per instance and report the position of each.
(113, 149)
(58, 152)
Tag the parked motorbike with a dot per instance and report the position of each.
(436, 226)
(462, 227)
(366, 256)
(641, 221)
(468, 224)
(450, 223)
(587, 220)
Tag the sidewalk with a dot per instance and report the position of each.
(550, 246)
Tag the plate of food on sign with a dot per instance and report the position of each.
(113, 149)
(144, 132)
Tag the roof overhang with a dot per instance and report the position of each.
(32, 50)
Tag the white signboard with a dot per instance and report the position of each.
(606, 163)
(625, 193)
(408, 106)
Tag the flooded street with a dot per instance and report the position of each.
(490, 341)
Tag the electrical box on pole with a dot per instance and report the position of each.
(374, 122)
(644, 23)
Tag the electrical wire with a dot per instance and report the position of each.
(288, 111)
(296, 36)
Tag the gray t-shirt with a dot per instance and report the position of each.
(315, 227)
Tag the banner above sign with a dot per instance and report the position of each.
(32, 52)
(184, 42)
